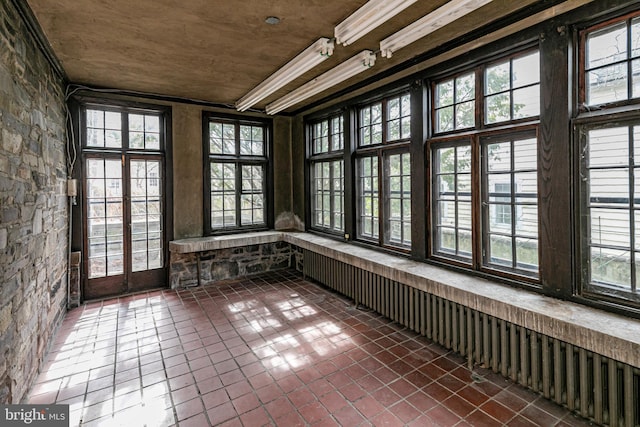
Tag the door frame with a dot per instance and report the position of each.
(77, 105)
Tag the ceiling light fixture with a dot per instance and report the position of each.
(356, 64)
(309, 58)
(368, 17)
(429, 23)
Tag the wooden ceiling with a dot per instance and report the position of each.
(216, 51)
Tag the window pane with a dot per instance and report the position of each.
(510, 198)
(368, 197)
(526, 70)
(526, 102)
(497, 78)
(498, 108)
(444, 94)
(607, 46)
(452, 192)
(607, 84)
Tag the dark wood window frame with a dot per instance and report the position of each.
(238, 160)
(330, 155)
(380, 151)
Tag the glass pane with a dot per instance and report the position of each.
(146, 212)
(611, 266)
(497, 78)
(527, 221)
(607, 84)
(444, 94)
(609, 186)
(444, 119)
(104, 216)
(498, 108)
(527, 254)
(526, 70)
(525, 154)
(610, 227)
(136, 140)
(526, 102)
(136, 122)
(95, 137)
(112, 120)
(465, 88)
(464, 215)
(465, 115)
(95, 119)
(607, 46)
(499, 156)
(152, 141)
(393, 107)
(113, 139)
(526, 186)
(215, 138)
(609, 147)
(635, 37)
(635, 75)
(500, 250)
(152, 124)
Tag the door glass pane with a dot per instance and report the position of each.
(146, 215)
(104, 217)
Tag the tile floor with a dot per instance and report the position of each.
(269, 350)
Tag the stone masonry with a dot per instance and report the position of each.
(33, 206)
(228, 263)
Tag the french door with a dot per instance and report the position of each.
(124, 204)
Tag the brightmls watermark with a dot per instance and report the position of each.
(34, 415)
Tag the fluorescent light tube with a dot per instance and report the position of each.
(368, 17)
(429, 23)
(356, 64)
(309, 58)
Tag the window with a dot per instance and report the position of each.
(327, 174)
(484, 195)
(236, 170)
(510, 232)
(512, 89)
(452, 201)
(612, 202)
(609, 147)
(455, 103)
(384, 172)
(611, 62)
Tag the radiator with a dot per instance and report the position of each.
(591, 385)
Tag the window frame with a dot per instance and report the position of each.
(583, 33)
(607, 115)
(330, 155)
(238, 160)
(381, 151)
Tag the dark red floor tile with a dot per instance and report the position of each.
(313, 412)
(348, 416)
(352, 392)
(386, 396)
(246, 403)
(333, 401)
(458, 406)
(279, 407)
(221, 413)
(405, 411)
(497, 411)
(189, 409)
(443, 416)
(387, 419)
(301, 397)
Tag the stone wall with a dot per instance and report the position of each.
(33, 206)
(228, 263)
